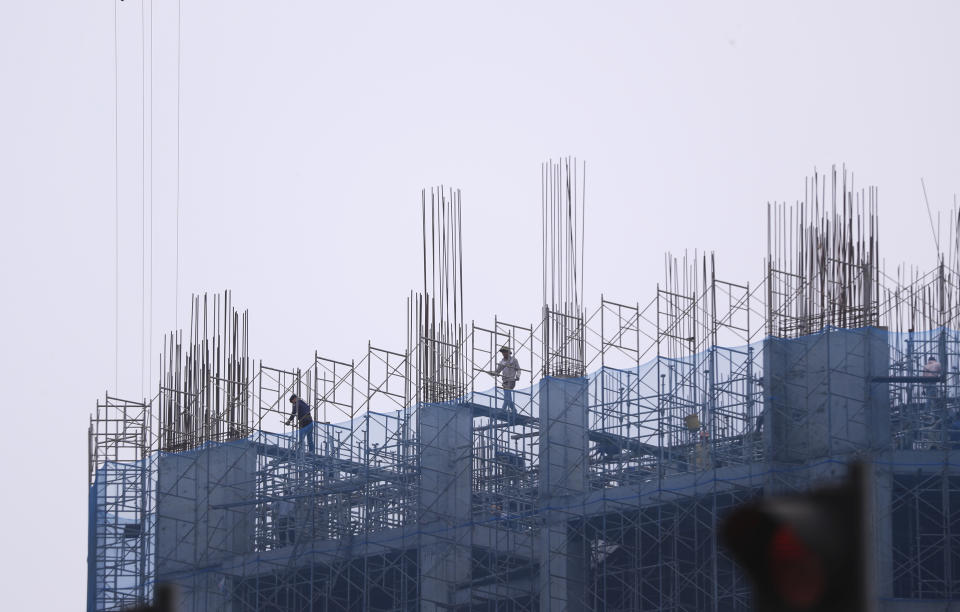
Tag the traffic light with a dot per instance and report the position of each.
(805, 552)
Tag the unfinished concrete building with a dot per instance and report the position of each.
(642, 425)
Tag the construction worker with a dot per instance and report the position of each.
(931, 370)
(283, 518)
(300, 410)
(509, 370)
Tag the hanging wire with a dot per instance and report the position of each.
(176, 292)
(143, 197)
(116, 195)
(150, 326)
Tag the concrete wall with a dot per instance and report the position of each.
(445, 499)
(819, 398)
(193, 530)
(820, 402)
(563, 483)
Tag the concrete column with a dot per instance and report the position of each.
(881, 514)
(563, 478)
(197, 524)
(820, 399)
(445, 435)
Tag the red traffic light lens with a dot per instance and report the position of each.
(796, 572)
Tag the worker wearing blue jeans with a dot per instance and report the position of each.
(300, 410)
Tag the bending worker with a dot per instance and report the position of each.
(300, 410)
(509, 370)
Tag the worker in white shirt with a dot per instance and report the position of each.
(509, 371)
(283, 518)
(932, 371)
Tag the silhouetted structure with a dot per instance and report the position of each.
(642, 426)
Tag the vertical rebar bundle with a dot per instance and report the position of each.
(436, 315)
(823, 259)
(563, 195)
(205, 381)
(915, 300)
(683, 321)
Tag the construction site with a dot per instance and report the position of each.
(598, 482)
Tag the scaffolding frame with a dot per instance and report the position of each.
(120, 498)
(643, 423)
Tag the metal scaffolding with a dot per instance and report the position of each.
(641, 425)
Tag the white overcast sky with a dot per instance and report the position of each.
(308, 129)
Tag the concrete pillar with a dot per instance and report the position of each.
(445, 435)
(563, 479)
(820, 400)
(881, 511)
(204, 516)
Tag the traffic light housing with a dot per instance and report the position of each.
(805, 552)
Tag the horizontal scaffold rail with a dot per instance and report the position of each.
(605, 439)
